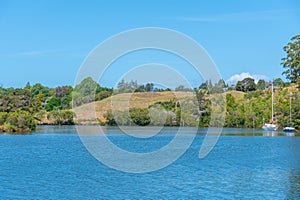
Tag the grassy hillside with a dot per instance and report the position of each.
(84, 113)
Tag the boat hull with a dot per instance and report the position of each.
(269, 127)
(289, 129)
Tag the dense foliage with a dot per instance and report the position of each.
(291, 62)
(161, 113)
(88, 91)
(61, 117)
(20, 121)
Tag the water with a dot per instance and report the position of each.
(53, 164)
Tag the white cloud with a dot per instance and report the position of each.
(256, 77)
(37, 53)
(238, 77)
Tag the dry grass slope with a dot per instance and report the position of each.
(85, 113)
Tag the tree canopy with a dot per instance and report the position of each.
(291, 62)
(246, 85)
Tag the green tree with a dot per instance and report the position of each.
(110, 120)
(17, 99)
(249, 84)
(296, 110)
(85, 92)
(53, 104)
(102, 95)
(179, 88)
(87, 87)
(39, 88)
(278, 82)
(183, 89)
(27, 86)
(261, 84)
(239, 86)
(149, 87)
(140, 116)
(63, 117)
(246, 85)
(231, 111)
(3, 117)
(5, 91)
(37, 102)
(204, 109)
(20, 121)
(292, 60)
(221, 83)
(203, 86)
(121, 85)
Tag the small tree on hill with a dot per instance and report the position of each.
(261, 84)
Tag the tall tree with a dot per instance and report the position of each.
(221, 83)
(87, 87)
(40, 89)
(261, 84)
(239, 86)
(27, 85)
(278, 82)
(249, 84)
(292, 60)
(203, 86)
(149, 87)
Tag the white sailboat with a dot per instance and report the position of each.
(271, 126)
(289, 128)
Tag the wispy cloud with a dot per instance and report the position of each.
(238, 77)
(241, 16)
(31, 53)
(37, 53)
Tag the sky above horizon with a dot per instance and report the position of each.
(47, 41)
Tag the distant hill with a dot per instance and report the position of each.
(84, 113)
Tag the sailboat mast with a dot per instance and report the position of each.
(272, 104)
(291, 109)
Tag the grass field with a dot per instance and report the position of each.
(91, 111)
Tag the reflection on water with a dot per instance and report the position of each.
(270, 133)
(53, 163)
(165, 130)
(248, 132)
(278, 133)
(290, 134)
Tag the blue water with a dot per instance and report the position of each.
(54, 164)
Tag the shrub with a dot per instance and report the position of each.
(20, 121)
(3, 117)
(61, 117)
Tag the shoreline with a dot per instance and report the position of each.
(115, 130)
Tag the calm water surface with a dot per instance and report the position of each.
(245, 164)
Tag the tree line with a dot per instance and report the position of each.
(22, 108)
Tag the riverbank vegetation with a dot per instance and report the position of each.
(23, 108)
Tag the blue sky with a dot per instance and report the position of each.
(48, 41)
